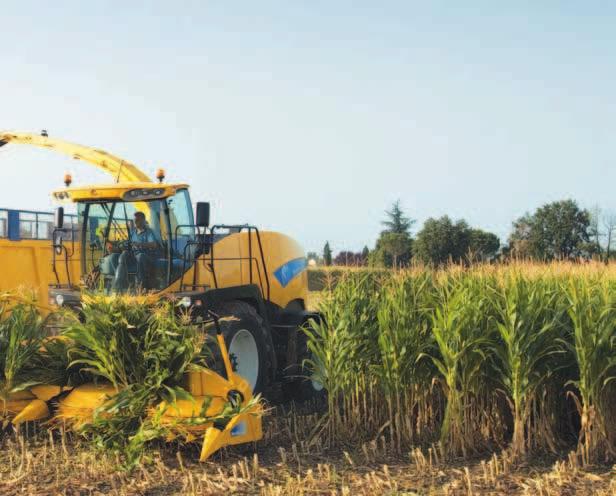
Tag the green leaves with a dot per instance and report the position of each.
(461, 333)
(144, 350)
(127, 343)
(592, 310)
(505, 346)
(529, 320)
(21, 337)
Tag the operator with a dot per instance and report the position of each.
(144, 243)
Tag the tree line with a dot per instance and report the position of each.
(559, 230)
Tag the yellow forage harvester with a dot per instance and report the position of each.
(146, 240)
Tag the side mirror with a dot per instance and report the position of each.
(59, 218)
(203, 214)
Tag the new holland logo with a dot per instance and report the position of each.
(285, 273)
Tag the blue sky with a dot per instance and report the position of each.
(311, 118)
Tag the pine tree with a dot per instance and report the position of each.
(396, 221)
(327, 254)
(394, 246)
(365, 253)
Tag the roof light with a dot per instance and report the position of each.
(160, 175)
(143, 194)
(68, 179)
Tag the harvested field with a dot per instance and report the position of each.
(60, 465)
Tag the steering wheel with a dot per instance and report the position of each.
(125, 245)
(119, 246)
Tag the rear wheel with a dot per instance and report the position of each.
(302, 384)
(247, 344)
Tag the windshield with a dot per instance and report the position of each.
(135, 246)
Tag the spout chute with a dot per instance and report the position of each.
(121, 170)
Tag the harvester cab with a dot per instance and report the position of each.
(132, 238)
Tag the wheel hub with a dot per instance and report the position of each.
(244, 356)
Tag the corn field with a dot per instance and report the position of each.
(519, 358)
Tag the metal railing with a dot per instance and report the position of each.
(29, 224)
(204, 244)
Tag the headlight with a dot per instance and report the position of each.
(59, 300)
(142, 194)
(185, 301)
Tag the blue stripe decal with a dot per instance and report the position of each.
(285, 273)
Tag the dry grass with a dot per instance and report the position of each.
(284, 464)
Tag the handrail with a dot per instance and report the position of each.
(185, 251)
(240, 228)
(55, 248)
(37, 221)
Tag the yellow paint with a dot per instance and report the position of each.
(27, 264)
(214, 439)
(35, 410)
(114, 191)
(16, 402)
(122, 170)
(78, 406)
(278, 249)
(44, 392)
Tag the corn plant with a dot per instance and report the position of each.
(459, 330)
(506, 345)
(529, 316)
(21, 336)
(403, 341)
(593, 315)
(144, 351)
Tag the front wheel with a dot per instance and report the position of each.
(247, 344)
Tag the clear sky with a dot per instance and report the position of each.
(312, 117)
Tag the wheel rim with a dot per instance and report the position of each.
(316, 385)
(244, 353)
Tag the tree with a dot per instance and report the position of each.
(558, 230)
(350, 258)
(594, 230)
(519, 239)
(483, 245)
(327, 254)
(394, 245)
(396, 221)
(442, 240)
(609, 224)
(365, 253)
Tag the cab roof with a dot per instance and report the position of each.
(126, 191)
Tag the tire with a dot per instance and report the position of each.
(299, 387)
(248, 344)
